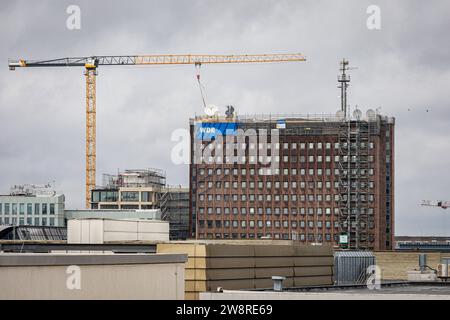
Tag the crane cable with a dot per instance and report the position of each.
(201, 87)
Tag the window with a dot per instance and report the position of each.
(52, 210)
(52, 221)
(44, 211)
(145, 196)
(37, 208)
(14, 208)
(6, 208)
(130, 196)
(22, 209)
(29, 209)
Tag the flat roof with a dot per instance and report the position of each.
(388, 291)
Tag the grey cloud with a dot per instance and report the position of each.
(405, 65)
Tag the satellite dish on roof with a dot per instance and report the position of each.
(211, 110)
(357, 114)
(370, 114)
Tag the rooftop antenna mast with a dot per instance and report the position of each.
(344, 80)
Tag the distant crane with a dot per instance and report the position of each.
(91, 63)
(436, 203)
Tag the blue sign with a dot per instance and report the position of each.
(209, 130)
(281, 124)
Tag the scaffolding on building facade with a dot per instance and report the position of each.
(354, 178)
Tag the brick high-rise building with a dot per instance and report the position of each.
(330, 180)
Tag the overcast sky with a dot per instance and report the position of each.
(404, 68)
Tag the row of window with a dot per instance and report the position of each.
(285, 197)
(285, 236)
(125, 196)
(286, 159)
(268, 224)
(29, 221)
(277, 184)
(293, 145)
(28, 208)
(277, 210)
(293, 171)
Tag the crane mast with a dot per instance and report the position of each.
(91, 64)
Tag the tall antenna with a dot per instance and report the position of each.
(344, 80)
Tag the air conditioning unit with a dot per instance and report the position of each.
(443, 270)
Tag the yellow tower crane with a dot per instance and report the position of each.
(91, 64)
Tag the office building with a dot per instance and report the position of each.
(313, 179)
(131, 189)
(32, 205)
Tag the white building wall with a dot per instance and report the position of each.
(107, 230)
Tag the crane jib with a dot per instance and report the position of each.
(92, 62)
